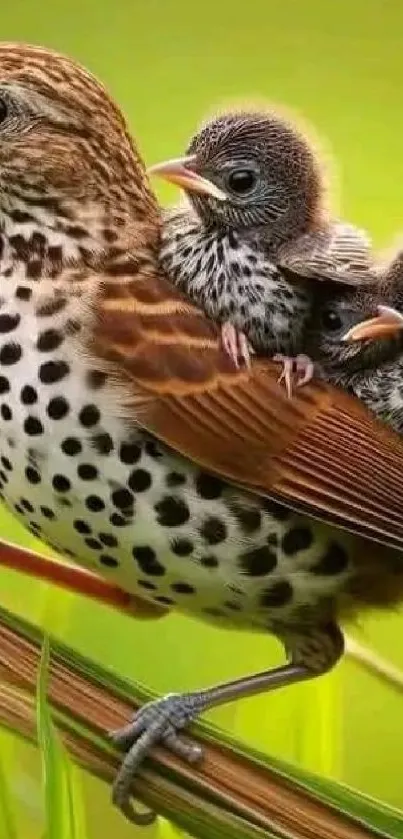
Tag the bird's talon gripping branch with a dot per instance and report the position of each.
(156, 722)
(235, 344)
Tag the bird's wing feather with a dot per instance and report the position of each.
(339, 252)
(320, 452)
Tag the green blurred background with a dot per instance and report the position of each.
(167, 62)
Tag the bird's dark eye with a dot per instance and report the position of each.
(331, 320)
(3, 110)
(241, 181)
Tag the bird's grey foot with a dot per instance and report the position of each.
(235, 344)
(302, 365)
(156, 722)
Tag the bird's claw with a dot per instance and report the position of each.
(302, 365)
(236, 344)
(156, 722)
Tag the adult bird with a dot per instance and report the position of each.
(257, 234)
(131, 443)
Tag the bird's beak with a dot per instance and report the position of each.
(180, 173)
(387, 322)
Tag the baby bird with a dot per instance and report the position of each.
(255, 233)
(356, 341)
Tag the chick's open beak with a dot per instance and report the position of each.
(388, 322)
(180, 172)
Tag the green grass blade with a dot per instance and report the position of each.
(64, 815)
(8, 828)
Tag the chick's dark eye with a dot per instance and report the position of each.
(3, 110)
(331, 320)
(241, 181)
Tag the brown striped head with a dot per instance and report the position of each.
(63, 142)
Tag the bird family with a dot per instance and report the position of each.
(257, 248)
(143, 432)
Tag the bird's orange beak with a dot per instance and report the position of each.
(179, 172)
(387, 322)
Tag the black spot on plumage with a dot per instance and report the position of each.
(297, 539)
(53, 371)
(71, 446)
(94, 503)
(20, 247)
(7, 463)
(38, 242)
(333, 561)
(48, 513)
(147, 585)
(102, 443)
(182, 547)
(55, 253)
(96, 379)
(33, 269)
(213, 530)
(6, 412)
(182, 588)
(117, 520)
(122, 498)
(28, 395)
(21, 217)
(276, 510)
(172, 511)
(208, 486)
(76, 232)
(175, 479)
(35, 528)
(209, 561)
(257, 562)
(27, 505)
(87, 472)
(139, 480)
(129, 453)
(4, 385)
(9, 322)
(108, 539)
(33, 426)
(32, 475)
(279, 594)
(58, 408)
(109, 561)
(89, 416)
(153, 450)
(166, 601)
(10, 354)
(249, 519)
(49, 340)
(93, 544)
(60, 483)
(147, 560)
(81, 526)
(51, 307)
(22, 292)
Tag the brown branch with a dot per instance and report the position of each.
(76, 580)
(79, 692)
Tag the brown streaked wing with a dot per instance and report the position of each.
(321, 452)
